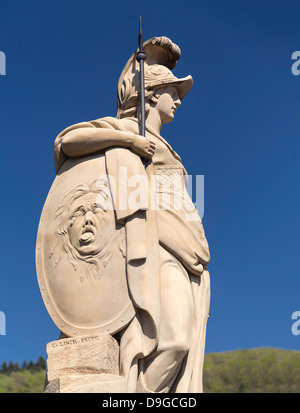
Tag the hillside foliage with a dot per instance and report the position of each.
(260, 370)
(29, 378)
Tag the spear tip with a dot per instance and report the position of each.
(141, 35)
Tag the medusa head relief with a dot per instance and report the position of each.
(86, 228)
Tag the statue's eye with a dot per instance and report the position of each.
(96, 208)
(78, 212)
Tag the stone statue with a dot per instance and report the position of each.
(121, 250)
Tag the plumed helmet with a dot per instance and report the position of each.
(162, 55)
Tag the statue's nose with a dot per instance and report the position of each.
(177, 102)
(89, 219)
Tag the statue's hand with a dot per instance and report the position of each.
(144, 147)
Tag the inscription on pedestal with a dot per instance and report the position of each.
(75, 341)
(90, 354)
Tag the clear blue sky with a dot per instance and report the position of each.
(239, 127)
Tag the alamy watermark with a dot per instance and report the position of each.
(2, 64)
(166, 189)
(296, 325)
(295, 66)
(2, 324)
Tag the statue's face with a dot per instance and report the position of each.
(89, 226)
(167, 104)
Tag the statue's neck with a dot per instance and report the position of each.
(154, 121)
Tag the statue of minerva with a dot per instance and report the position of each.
(121, 250)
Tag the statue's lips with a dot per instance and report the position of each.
(87, 236)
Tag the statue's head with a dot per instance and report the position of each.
(162, 56)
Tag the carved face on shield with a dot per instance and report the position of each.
(86, 221)
(89, 226)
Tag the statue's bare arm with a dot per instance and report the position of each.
(84, 141)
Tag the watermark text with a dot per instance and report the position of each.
(2, 324)
(164, 190)
(295, 66)
(296, 325)
(2, 64)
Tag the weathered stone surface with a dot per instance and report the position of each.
(92, 383)
(90, 354)
(52, 387)
(87, 383)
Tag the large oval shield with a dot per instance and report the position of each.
(80, 252)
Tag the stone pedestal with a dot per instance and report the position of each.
(84, 364)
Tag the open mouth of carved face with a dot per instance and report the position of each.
(87, 235)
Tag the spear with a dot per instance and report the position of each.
(140, 57)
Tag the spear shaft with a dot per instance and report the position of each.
(140, 57)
